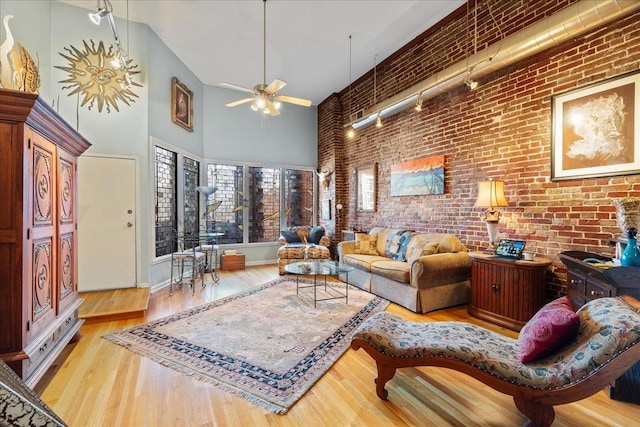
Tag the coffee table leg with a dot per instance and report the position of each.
(315, 285)
(346, 287)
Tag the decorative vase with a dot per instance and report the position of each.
(631, 255)
(627, 213)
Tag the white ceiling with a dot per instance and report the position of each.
(307, 40)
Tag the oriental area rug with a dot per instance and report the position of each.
(267, 345)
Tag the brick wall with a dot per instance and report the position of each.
(502, 130)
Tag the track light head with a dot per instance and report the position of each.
(97, 17)
(351, 133)
(471, 83)
(378, 121)
(418, 106)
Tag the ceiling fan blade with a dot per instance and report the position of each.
(239, 102)
(236, 87)
(275, 86)
(292, 100)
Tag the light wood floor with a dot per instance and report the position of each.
(103, 384)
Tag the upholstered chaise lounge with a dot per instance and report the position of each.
(606, 345)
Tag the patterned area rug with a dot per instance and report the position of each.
(267, 345)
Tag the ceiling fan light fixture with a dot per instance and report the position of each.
(254, 107)
(260, 102)
(277, 105)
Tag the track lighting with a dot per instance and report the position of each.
(471, 83)
(97, 17)
(378, 121)
(101, 11)
(418, 106)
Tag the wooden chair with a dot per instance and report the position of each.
(607, 344)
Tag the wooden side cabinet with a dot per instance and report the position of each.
(585, 283)
(38, 226)
(507, 293)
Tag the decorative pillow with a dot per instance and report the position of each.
(316, 234)
(404, 243)
(428, 249)
(290, 236)
(392, 246)
(366, 244)
(548, 330)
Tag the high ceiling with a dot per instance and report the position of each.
(307, 40)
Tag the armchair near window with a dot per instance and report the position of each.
(292, 244)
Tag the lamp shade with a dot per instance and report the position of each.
(491, 194)
(207, 191)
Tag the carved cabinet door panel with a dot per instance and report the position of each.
(67, 241)
(41, 245)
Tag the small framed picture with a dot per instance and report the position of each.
(325, 209)
(181, 105)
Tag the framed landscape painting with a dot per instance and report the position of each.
(596, 130)
(418, 177)
(181, 105)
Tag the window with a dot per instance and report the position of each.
(165, 174)
(264, 209)
(256, 202)
(298, 195)
(228, 218)
(191, 213)
(176, 174)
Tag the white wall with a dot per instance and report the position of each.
(241, 133)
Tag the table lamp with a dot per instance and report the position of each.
(490, 196)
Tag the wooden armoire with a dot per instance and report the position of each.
(38, 234)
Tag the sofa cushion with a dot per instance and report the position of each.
(366, 244)
(417, 252)
(553, 326)
(395, 270)
(296, 251)
(316, 234)
(363, 262)
(447, 243)
(290, 236)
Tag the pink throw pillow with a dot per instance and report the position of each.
(548, 330)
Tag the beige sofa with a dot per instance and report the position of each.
(435, 275)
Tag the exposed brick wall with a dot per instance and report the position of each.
(330, 158)
(502, 130)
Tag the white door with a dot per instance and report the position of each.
(106, 223)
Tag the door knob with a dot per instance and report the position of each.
(129, 224)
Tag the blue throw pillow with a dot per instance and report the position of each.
(392, 246)
(404, 242)
(290, 236)
(315, 235)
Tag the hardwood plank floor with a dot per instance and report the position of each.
(103, 384)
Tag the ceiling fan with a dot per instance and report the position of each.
(265, 97)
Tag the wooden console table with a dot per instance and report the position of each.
(586, 282)
(505, 292)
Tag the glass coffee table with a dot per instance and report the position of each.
(317, 268)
